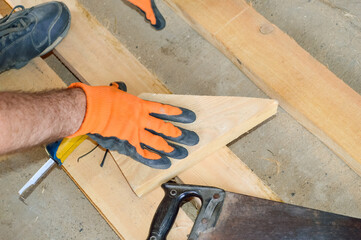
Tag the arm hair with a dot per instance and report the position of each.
(30, 119)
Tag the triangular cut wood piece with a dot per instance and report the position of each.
(219, 121)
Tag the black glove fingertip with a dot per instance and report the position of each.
(187, 137)
(162, 163)
(179, 152)
(160, 21)
(187, 116)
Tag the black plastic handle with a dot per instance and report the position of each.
(175, 195)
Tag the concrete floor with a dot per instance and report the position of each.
(294, 163)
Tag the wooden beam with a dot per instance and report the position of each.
(220, 120)
(305, 88)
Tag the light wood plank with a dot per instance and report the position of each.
(219, 121)
(311, 93)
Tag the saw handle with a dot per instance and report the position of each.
(175, 195)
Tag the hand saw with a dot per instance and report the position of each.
(231, 216)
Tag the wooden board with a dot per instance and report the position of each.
(219, 121)
(311, 93)
(88, 29)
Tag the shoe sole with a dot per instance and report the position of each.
(57, 41)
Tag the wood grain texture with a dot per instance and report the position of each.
(4, 8)
(219, 121)
(246, 183)
(311, 93)
(106, 188)
(36, 76)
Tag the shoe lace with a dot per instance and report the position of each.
(9, 26)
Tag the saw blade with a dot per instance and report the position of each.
(245, 217)
(231, 216)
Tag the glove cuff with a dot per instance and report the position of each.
(98, 104)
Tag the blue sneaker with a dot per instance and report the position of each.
(31, 32)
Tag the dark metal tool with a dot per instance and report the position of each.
(231, 216)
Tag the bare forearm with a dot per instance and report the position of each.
(29, 119)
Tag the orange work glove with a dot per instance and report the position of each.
(151, 12)
(125, 123)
